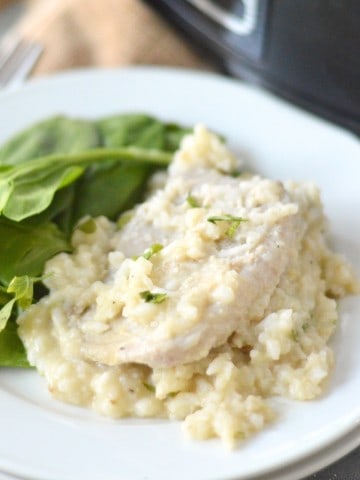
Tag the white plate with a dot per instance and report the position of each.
(47, 440)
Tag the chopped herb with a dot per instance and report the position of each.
(294, 334)
(149, 387)
(124, 219)
(88, 226)
(230, 232)
(151, 297)
(234, 222)
(225, 218)
(192, 202)
(236, 173)
(305, 326)
(172, 394)
(149, 252)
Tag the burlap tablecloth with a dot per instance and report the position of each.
(103, 33)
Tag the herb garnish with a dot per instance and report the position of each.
(88, 226)
(234, 222)
(151, 297)
(149, 387)
(149, 252)
(192, 202)
(294, 335)
(124, 219)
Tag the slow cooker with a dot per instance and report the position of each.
(307, 51)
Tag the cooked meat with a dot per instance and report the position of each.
(209, 275)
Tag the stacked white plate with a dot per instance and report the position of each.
(44, 439)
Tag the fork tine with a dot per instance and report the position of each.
(7, 48)
(17, 58)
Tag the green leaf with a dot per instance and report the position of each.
(131, 129)
(52, 175)
(61, 203)
(24, 248)
(173, 136)
(151, 297)
(142, 131)
(34, 196)
(23, 289)
(5, 313)
(54, 135)
(56, 171)
(124, 186)
(131, 142)
(4, 296)
(12, 351)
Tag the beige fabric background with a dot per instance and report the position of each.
(104, 33)
(3, 3)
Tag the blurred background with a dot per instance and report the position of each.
(307, 52)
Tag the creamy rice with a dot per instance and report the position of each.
(247, 310)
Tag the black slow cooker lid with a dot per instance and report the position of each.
(307, 51)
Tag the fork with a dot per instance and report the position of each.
(17, 58)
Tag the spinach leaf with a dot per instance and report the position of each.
(173, 134)
(60, 205)
(28, 189)
(24, 248)
(131, 129)
(53, 174)
(142, 131)
(12, 351)
(54, 135)
(33, 186)
(124, 186)
(29, 194)
(4, 296)
(124, 183)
